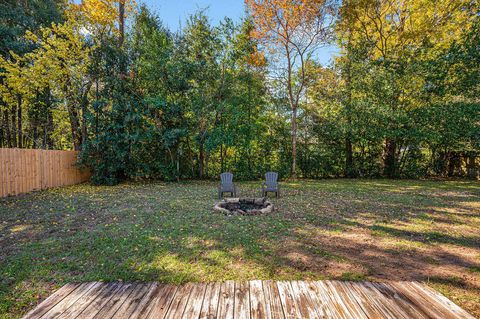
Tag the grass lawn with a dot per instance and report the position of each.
(342, 229)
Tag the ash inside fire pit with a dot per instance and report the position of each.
(244, 206)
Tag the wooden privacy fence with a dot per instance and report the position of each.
(25, 170)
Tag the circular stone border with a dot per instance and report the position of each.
(267, 207)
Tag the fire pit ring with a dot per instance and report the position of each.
(244, 206)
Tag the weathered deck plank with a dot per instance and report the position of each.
(290, 308)
(179, 302)
(210, 301)
(69, 300)
(116, 301)
(91, 310)
(227, 297)
(352, 308)
(258, 307)
(250, 300)
(143, 305)
(333, 308)
(306, 306)
(51, 301)
(273, 302)
(241, 303)
(160, 305)
(130, 305)
(400, 300)
(442, 300)
(195, 302)
(83, 302)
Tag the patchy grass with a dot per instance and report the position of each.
(342, 229)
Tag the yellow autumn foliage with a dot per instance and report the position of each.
(100, 15)
(396, 27)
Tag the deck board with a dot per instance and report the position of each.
(131, 303)
(69, 300)
(160, 305)
(258, 307)
(248, 299)
(83, 302)
(51, 301)
(227, 298)
(210, 301)
(96, 305)
(195, 302)
(272, 299)
(180, 301)
(241, 304)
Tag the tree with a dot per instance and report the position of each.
(292, 29)
(399, 33)
(200, 44)
(61, 63)
(141, 101)
(16, 17)
(240, 100)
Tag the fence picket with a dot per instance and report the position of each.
(25, 170)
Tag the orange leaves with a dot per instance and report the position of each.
(256, 59)
(278, 20)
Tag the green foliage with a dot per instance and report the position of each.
(17, 17)
(117, 123)
(204, 100)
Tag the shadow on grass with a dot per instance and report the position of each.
(428, 237)
(168, 232)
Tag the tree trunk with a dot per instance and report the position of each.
(19, 119)
(225, 151)
(454, 164)
(348, 108)
(6, 127)
(177, 158)
(206, 164)
(14, 126)
(293, 105)
(389, 160)
(294, 141)
(201, 160)
(221, 159)
(74, 126)
(48, 140)
(35, 131)
(348, 157)
(472, 169)
(84, 105)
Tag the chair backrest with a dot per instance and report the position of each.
(226, 178)
(271, 178)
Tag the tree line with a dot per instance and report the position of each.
(107, 78)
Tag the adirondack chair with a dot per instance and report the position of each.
(226, 185)
(271, 184)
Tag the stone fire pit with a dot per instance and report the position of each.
(244, 206)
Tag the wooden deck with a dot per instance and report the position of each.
(251, 299)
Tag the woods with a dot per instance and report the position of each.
(107, 78)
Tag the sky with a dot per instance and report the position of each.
(174, 13)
